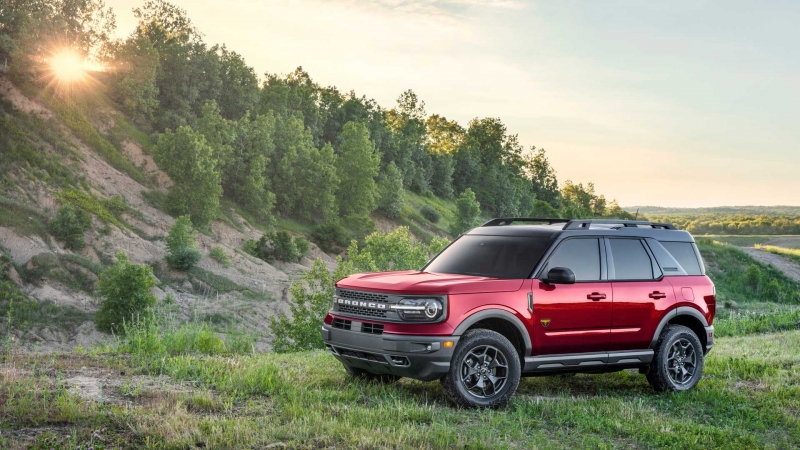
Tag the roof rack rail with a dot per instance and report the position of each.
(509, 220)
(586, 223)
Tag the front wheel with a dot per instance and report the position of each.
(678, 360)
(484, 371)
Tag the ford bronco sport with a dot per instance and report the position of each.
(526, 297)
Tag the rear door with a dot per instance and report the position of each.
(573, 318)
(641, 293)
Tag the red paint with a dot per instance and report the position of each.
(626, 319)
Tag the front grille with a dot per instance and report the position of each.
(342, 324)
(350, 309)
(360, 355)
(372, 328)
(363, 296)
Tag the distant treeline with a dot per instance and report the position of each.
(732, 210)
(731, 223)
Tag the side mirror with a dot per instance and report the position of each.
(560, 275)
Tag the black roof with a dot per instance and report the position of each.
(553, 228)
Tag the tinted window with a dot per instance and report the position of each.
(580, 255)
(683, 252)
(490, 256)
(631, 261)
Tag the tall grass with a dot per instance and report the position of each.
(745, 322)
(792, 253)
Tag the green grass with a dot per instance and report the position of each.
(749, 398)
(107, 210)
(792, 253)
(23, 218)
(728, 266)
(756, 318)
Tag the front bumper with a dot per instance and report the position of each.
(420, 357)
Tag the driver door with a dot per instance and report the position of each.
(573, 318)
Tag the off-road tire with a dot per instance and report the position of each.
(362, 374)
(658, 373)
(453, 383)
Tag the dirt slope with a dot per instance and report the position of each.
(783, 263)
(268, 283)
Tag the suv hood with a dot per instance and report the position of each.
(416, 282)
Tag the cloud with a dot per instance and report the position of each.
(439, 8)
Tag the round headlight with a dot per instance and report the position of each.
(433, 308)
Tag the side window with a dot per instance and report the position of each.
(580, 255)
(683, 252)
(631, 261)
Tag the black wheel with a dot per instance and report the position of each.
(362, 374)
(678, 361)
(484, 371)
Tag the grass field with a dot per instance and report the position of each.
(792, 253)
(748, 398)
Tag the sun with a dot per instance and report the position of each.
(67, 67)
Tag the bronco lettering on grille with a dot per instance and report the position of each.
(372, 305)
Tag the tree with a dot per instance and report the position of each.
(305, 179)
(125, 289)
(357, 167)
(390, 190)
(543, 209)
(407, 150)
(137, 63)
(186, 157)
(182, 253)
(467, 212)
(69, 225)
(543, 177)
(246, 175)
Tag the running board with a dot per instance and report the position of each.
(587, 360)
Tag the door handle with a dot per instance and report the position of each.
(595, 296)
(657, 295)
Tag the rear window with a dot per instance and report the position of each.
(684, 253)
(490, 256)
(631, 261)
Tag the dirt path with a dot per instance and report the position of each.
(783, 263)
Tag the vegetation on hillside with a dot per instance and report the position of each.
(733, 224)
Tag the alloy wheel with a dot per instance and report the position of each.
(484, 371)
(681, 361)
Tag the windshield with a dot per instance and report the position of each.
(490, 256)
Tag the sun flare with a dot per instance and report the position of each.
(68, 68)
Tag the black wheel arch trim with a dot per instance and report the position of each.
(497, 314)
(679, 311)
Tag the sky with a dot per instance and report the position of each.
(682, 103)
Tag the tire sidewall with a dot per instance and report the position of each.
(669, 340)
(466, 344)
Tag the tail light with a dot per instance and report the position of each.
(711, 302)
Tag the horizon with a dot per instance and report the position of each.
(695, 87)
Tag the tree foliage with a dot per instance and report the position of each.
(69, 226)
(189, 160)
(182, 253)
(125, 289)
(390, 191)
(467, 212)
(357, 166)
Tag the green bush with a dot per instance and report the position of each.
(329, 236)
(69, 225)
(182, 245)
(125, 289)
(430, 214)
(278, 246)
(219, 255)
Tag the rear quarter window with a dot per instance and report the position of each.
(684, 253)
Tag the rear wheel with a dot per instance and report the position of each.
(678, 361)
(362, 374)
(484, 371)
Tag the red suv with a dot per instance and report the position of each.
(515, 298)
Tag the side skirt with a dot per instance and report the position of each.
(580, 362)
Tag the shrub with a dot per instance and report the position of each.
(753, 277)
(69, 225)
(125, 289)
(329, 236)
(219, 255)
(311, 300)
(467, 211)
(182, 245)
(359, 226)
(430, 214)
(278, 246)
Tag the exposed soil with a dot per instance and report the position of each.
(783, 263)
